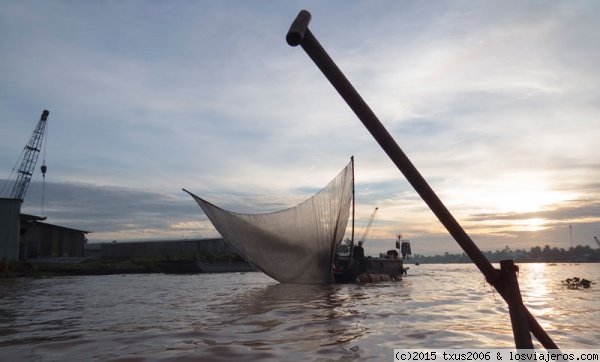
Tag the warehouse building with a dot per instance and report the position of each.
(39, 240)
(25, 237)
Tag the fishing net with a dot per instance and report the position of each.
(295, 245)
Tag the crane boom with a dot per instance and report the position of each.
(30, 157)
(369, 225)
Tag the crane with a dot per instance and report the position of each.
(368, 227)
(29, 159)
(597, 241)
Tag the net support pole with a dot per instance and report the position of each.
(300, 34)
(353, 214)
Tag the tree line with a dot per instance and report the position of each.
(536, 254)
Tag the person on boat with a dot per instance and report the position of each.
(358, 255)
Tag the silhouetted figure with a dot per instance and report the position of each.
(358, 255)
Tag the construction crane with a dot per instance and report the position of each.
(368, 227)
(597, 241)
(29, 159)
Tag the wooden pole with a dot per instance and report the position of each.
(300, 34)
(516, 309)
(353, 214)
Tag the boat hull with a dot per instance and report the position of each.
(392, 267)
(372, 269)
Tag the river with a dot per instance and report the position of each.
(250, 317)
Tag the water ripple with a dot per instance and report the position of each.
(245, 317)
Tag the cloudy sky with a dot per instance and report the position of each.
(497, 103)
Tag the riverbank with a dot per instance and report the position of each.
(89, 266)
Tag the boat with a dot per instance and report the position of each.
(298, 245)
(375, 270)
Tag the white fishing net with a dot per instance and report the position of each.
(295, 245)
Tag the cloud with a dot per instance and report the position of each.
(108, 211)
(495, 103)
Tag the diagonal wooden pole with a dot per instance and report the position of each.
(299, 34)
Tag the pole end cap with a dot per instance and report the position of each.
(295, 35)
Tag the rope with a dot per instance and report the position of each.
(45, 140)
(43, 190)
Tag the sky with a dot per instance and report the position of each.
(496, 103)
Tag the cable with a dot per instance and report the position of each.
(44, 168)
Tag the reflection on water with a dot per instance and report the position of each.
(251, 317)
(573, 316)
(535, 284)
(306, 317)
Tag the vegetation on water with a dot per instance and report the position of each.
(576, 283)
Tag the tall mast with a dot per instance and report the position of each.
(353, 199)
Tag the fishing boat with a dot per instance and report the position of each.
(379, 269)
(298, 245)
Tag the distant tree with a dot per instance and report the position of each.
(546, 251)
(344, 247)
(536, 253)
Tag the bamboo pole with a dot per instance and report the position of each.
(300, 34)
